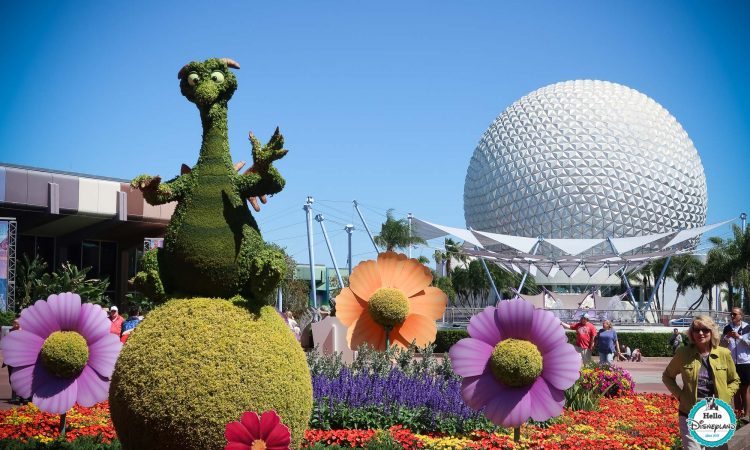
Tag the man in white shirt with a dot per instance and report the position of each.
(736, 337)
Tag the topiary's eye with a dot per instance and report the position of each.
(217, 76)
(193, 79)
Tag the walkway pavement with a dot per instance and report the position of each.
(647, 374)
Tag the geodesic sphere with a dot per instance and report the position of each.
(585, 159)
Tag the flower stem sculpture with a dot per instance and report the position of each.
(516, 363)
(390, 301)
(63, 354)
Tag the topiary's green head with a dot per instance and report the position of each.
(208, 82)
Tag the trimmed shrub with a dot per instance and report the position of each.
(192, 366)
(446, 338)
(650, 343)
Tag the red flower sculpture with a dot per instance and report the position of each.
(258, 433)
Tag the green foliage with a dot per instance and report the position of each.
(395, 234)
(36, 283)
(140, 301)
(578, 398)
(446, 338)
(29, 273)
(6, 318)
(195, 365)
(295, 292)
(446, 285)
(81, 443)
(472, 287)
(729, 262)
(212, 246)
(148, 281)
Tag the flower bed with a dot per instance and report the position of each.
(27, 422)
(640, 421)
(609, 380)
(635, 421)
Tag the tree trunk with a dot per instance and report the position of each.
(674, 305)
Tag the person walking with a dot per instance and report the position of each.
(707, 370)
(585, 334)
(736, 337)
(675, 340)
(607, 343)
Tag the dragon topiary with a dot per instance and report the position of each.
(212, 246)
(214, 351)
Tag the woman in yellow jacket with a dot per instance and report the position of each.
(707, 371)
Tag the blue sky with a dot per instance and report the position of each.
(382, 102)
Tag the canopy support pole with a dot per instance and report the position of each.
(369, 233)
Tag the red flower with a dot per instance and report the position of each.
(258, 433)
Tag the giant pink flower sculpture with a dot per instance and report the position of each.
(516, 364)
(63, 353)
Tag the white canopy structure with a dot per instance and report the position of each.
(520, 256)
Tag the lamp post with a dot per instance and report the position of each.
(308, 212)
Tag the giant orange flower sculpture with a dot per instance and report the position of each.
(393, 294)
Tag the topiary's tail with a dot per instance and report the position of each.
(148, 280)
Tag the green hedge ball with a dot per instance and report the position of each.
(192, 366)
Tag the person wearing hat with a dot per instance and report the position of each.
(116, 319)
(585, 335)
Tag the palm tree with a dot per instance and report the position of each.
(730, 258)
(395, 234)
(648, 276)
(685, 269)
(439, 258)
(453, 252)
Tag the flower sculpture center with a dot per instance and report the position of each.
(258, 444)
(516, 362)
(65, 353)
(389, 307)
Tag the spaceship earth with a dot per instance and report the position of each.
(585, 159)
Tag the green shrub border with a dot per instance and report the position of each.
(651, 343)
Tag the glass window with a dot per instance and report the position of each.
(90, 258)
(74, 254)
(45, 249)
(108, 262)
